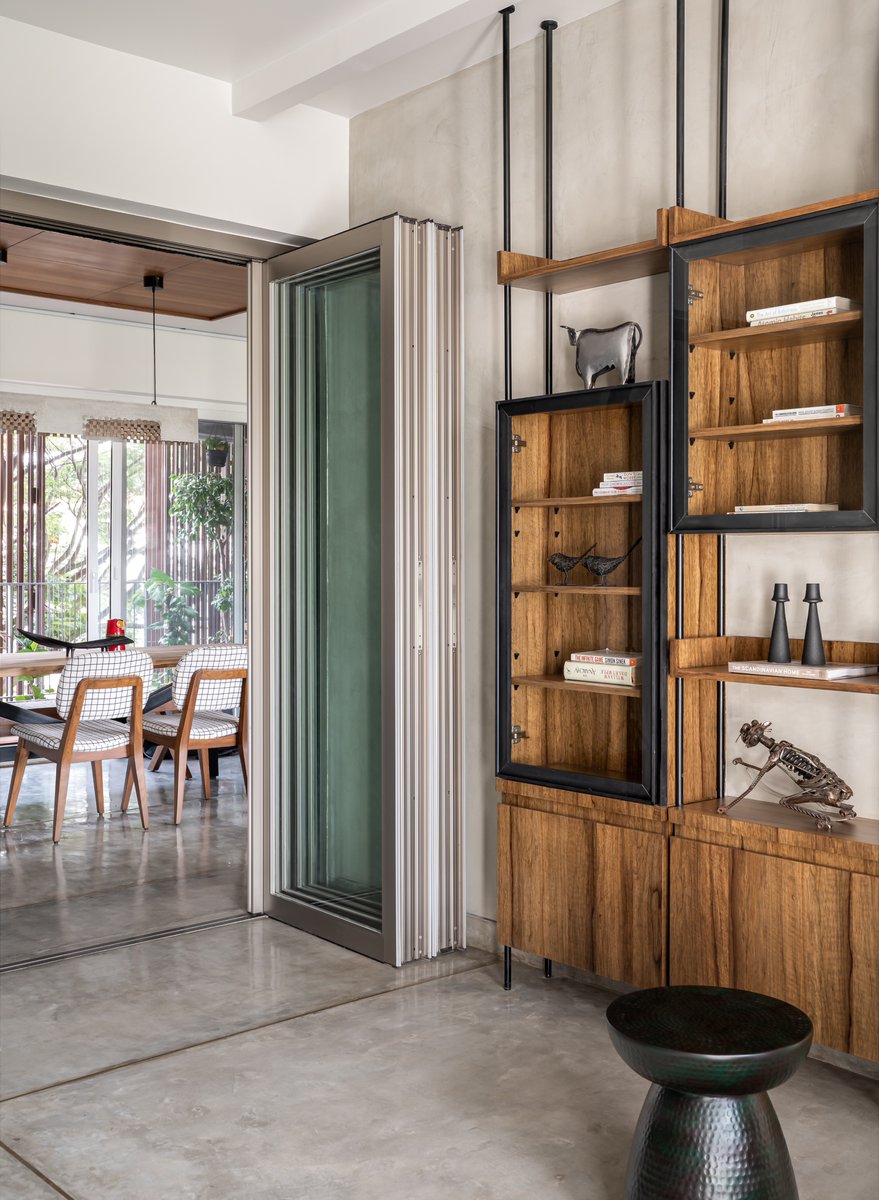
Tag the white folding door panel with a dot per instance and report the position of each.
(359, 587)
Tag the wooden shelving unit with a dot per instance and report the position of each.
(825, 427)
(576, 501)
(571, 685)
(749, 339)
(573, 589)
(708, 658)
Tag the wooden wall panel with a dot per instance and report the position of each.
(864, 941)
(628, 910)
(700, 934)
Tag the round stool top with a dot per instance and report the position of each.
(709, 1040)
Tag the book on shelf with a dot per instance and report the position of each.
(803, 316)
(589, 672)
(814, 412)
(621, 477)
(607, 657)
(829, 671)
(842, 303)
(782, 508)
(627, 490)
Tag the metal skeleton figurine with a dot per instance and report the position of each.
(816, 782)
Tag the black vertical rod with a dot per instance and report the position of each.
(547, 27)
(723, 108)
(547, 968)
(508, 968)
(679, 683)
(508, 295)
(680, 63)
(721, 687)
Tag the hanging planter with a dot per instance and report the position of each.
(216, 451)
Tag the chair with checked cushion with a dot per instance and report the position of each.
(94, 692)
(206, 682)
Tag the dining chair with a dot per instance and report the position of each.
(94, 691)
(207, 681)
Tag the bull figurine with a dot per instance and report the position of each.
(602, 350)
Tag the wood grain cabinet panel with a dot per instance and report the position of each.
(627, 918)
(864, 940)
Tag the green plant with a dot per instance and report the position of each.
(215, 443)
(176, 616)
(204, 505)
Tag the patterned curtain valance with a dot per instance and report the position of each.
(17, 422)
(121, 430)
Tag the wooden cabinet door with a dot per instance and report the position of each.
(582, 893)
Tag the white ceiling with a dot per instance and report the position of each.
(342, 55)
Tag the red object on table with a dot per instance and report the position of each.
(115, 628)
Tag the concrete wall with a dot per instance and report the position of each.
(84, 117)
(803, 92)
(78, 358)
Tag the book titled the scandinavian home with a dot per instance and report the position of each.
(588, 672)
(840, 303)
(830, 671)
(607, 657)
(802, 316)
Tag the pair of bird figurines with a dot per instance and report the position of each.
(596, 564)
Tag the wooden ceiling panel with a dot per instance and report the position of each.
(68, 267)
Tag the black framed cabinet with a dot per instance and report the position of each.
(557, 596)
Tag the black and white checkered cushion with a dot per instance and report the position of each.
(104, 703)
(90, 736)
(214, 694)
(204, 725)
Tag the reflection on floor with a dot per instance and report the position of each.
(253, 1062)
(56, 898)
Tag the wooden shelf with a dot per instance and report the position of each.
(685, 225)
(576, 589)
(860, 836)
(776, 337)
(779, 429)
(708, 658)
(556, 681)
(598, 269)
(576, 501)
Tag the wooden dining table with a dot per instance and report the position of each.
(52, 662)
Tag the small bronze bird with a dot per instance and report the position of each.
(597, 564)
(566, 562)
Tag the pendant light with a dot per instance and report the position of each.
(154, 282)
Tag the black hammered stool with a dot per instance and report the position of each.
(708, 1130)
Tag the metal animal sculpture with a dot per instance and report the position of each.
(602, 350)
(597, 564)
(816, 782)
(566, 562)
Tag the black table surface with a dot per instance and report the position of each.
(708, 1020)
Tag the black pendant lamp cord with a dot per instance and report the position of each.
(153, 282)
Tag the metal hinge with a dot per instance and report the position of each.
(518, 443)
(693, 487)
(693, 294)
(517, 733)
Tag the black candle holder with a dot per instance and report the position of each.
(813, 646)
(779, 642)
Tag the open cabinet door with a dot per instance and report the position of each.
(356, 721)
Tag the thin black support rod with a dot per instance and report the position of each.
(723, 108)
(721, 687)
(680, 64)
(508, 968)
(508, 296)
(547, 27)
(679, 683)
(547, 968)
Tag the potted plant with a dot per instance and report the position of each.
(217, 451)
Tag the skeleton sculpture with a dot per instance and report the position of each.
(600, 350)
(817, 783)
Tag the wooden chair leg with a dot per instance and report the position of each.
(204, 763)
(159, 755)
(98, 780)
(62, 778)
(242, 754)
(21, 757)
(126, 790)
(180, 769)
(137, 772)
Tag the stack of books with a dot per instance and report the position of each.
(814, 412)
(620, 667)
(620, 483)
(797, 671)
(803, 310)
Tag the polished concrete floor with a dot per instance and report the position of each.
(253, 1062)
(54, 899)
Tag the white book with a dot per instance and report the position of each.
(799, 671)
(818, 410)
(628, 491)
(804, 316)
(610, 658)
(588, 672)
(782, 508)
(801, 306)
(622, 476)
(813, 417)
